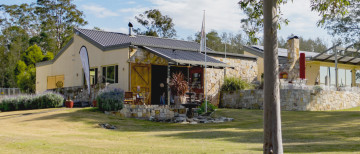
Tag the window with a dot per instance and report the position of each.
(110, 74)
(357, 77)
(327, 75)
(93, 76)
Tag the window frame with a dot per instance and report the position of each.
(105, 71)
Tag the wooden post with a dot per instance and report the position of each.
(168, 84)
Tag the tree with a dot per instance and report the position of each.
(25, 68)
(347, 26)
(215, 42)
(316, 45)
(58, 18)
(270, 17)
(156, 24)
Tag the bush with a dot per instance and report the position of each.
(110, 100)
(210, 107)
(26, 102)
(232, 84)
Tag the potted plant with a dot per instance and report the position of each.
(178, 86)
(69, 103)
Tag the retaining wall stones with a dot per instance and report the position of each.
(152, 112)
(294, 99)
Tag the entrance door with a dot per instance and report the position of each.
(141, 76)
(158, 83)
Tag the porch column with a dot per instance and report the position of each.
(168, 84)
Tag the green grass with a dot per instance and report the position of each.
(77, 131)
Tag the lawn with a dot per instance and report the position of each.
(77, 131)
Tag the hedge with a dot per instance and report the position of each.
(27, 102)
(110, 99)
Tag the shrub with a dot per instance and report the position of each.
(110, 100)
(210, 107)
(232, 84)
(26, 102)
(178, 84)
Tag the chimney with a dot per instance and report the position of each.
(293, 58)
(130, 29)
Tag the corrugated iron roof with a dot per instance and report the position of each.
(185, 57)
(113, 39)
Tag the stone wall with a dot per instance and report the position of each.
(294, 99)
(152, 112)
(244, 68)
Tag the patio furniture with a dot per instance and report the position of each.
(129, 99)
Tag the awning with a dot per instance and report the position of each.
(184, 57)
(351, 56)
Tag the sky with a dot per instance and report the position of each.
(221, 15)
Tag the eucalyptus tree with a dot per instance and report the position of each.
(264, 15)
(156, 24)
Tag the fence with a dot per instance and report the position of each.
(9, 91)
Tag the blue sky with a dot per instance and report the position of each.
(221, 15)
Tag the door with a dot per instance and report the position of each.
(158, 84)
(141, 77)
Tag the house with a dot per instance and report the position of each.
(141, 64)
(320, 67)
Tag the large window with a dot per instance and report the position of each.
(327, 76)
(110, 74)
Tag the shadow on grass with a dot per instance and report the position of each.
(302, 131)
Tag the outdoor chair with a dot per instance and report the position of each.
(129, 99)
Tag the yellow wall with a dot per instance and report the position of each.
(260, 64)
(313, 70)
(69, 65)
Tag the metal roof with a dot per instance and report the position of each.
(185, 57)
(353, 55)
(110, 40)
(283, 52)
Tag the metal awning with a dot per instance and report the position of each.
(350, 55)
(184, 57)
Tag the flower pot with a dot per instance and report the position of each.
(69, 104)
(94, 103)
(177, 101)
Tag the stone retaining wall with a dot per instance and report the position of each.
(246, 69)
(294, 99)
(157, 112)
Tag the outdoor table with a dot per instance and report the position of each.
(190, 106)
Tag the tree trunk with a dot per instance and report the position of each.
(272, 118)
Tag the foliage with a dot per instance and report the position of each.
(32, 55)
(110, 100)
(254, 22)
(232, 84)
(346, 26)
(156, 24)
(233, 42)
(316, 45)
(210, 107)
(317, 89)
(46, 26)
(178, 84)
(26, 102)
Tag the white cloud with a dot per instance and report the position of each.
(220, 15)
(302, 21)
(99, 11)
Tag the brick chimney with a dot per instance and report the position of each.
(293, 65)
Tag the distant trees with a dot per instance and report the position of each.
(32, 33)
(316, 45)
(233, 42)
(155, 24)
